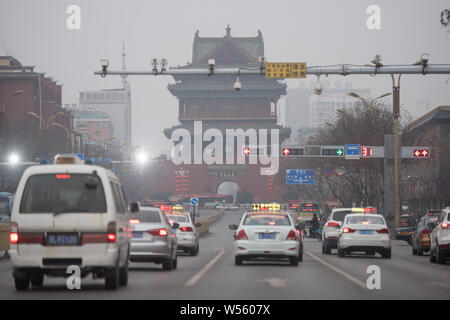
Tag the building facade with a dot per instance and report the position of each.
(426, 182)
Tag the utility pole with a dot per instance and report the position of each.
(396, 114)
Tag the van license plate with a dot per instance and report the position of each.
(62, 239)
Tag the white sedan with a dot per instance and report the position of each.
(268, 236)
(364, 233)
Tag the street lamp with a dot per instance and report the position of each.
(366, 104)
(14, 159)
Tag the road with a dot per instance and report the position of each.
(213, 275)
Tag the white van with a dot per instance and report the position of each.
(65, 215)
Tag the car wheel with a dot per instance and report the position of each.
(167, 265)
(21, 284)
(386, 254)
(112, 278)
(293, 261)
(123, 275)
(300, 257)
(37, 278)
(419, 250)
(414, 251)
(341, 252)
(175, 262)
(238, 260)
(440, 255)
(197, 249)
(432, 257)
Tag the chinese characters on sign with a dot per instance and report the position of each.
(285, 70)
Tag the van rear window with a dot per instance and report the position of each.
(63, 193)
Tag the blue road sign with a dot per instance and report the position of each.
(194, 201)
(79, 155)
(352, 151)
(300, 176)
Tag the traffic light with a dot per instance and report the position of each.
(332, 152)
(366, 151)
(292, 151)
(421, 153)
(246, 151)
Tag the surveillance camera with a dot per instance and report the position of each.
(211, 62)
(318, 89)
(261, 59)
(425, 57)
(104, 63)
(237, 85)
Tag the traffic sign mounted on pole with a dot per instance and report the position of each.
(194, 202)
(300, 176)
(281, 70)
(352, 151)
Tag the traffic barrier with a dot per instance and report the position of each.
(206, 222)
(4, 236)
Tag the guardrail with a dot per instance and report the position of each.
(206, 222)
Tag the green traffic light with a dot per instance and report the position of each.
(339, 152)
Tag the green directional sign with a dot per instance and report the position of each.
(332, 151)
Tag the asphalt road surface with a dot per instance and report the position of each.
(213, 275)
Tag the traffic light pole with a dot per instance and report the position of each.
(396, 114)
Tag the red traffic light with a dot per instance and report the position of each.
(286, 151)
(421, 153)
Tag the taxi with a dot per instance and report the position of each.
(187, 233)
(366, 233)
(331, 227)
(267, 233)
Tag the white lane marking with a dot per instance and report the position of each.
(193, 281)
(337, 270)
(275, 282)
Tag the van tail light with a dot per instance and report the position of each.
(112, 233)
(333, 224)
(13, 233)
(348, 230)
(162, 232)
(187, 229)
(445, 225)
(241, 235)
(385, 230)
(292, 235)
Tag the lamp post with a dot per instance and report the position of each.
(368, 104)
(396, 114)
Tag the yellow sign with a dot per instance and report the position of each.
(266, 206)
(281, 70)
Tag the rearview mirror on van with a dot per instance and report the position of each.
(134, 207)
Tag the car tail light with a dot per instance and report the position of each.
(112, 237)
(385, 230)
(241, 235)
(187, 229)
(162, 232)
(134, 221)
(426, 231)
(348, 230)
(292, 235)
(13, 233)
(111, 230)
(445, 225)
(332, 224)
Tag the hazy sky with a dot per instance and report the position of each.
(319, 32)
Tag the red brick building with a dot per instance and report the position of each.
(29, 103)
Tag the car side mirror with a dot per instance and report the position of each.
(175, 225)
(91, 183)
(233, 226)
(134, 207)
(198, 225)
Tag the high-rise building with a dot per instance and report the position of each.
(305, 109)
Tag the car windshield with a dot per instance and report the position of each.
(340, 215)
(365, 220)
(149, 216)
(59, 193)
(266, 220)
(178, 218)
